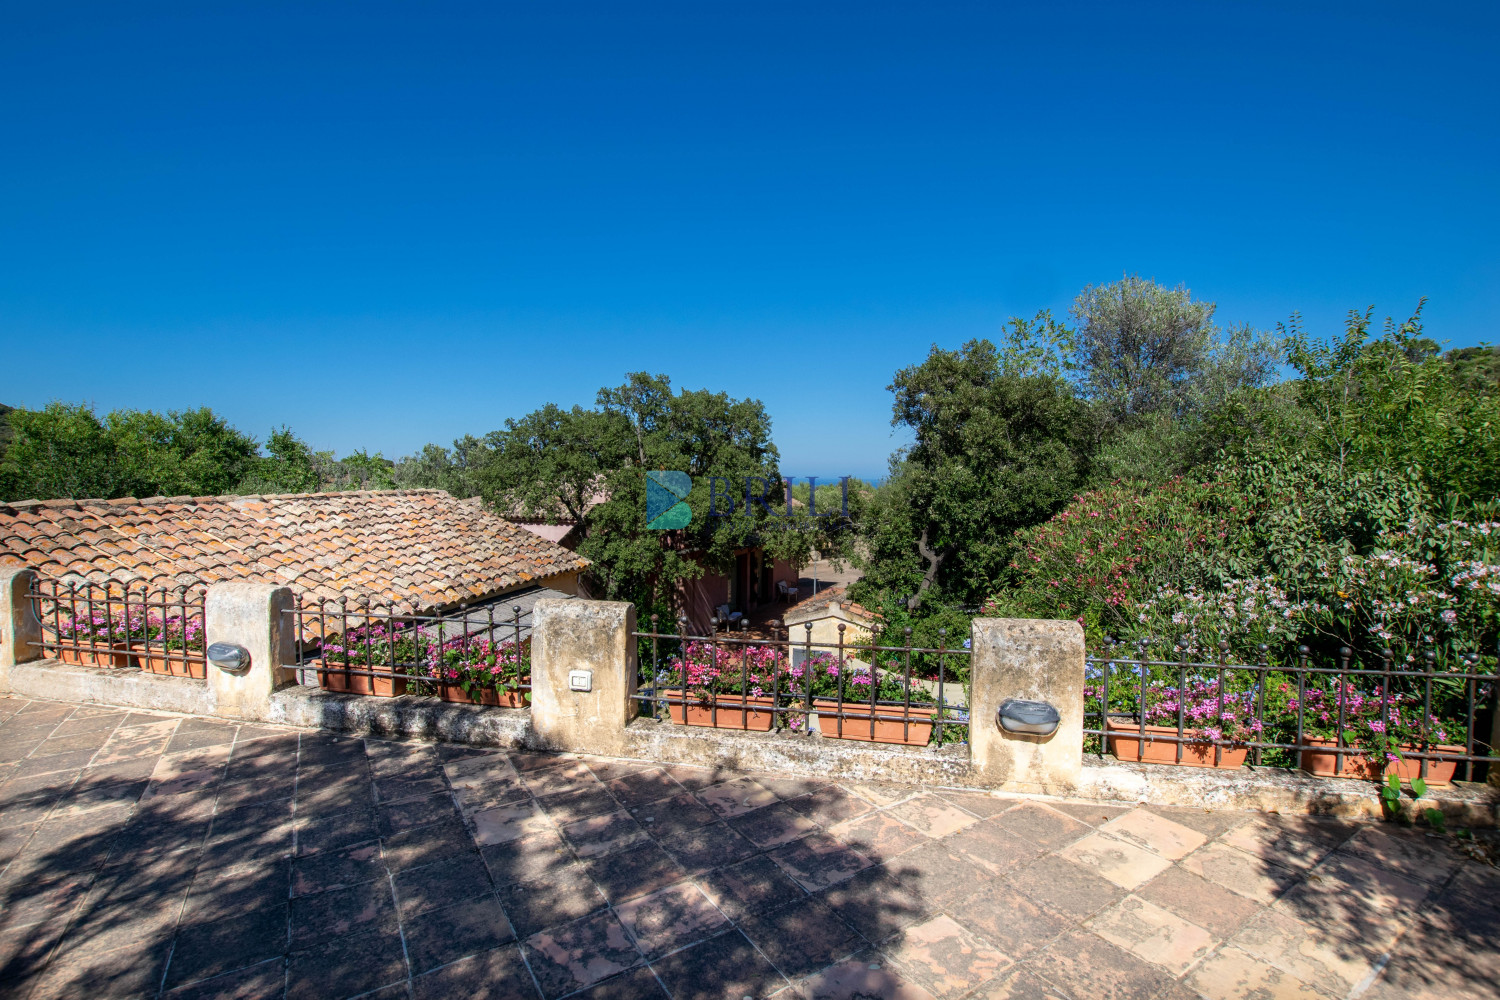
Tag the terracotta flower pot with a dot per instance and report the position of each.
(1358, 765)
(1154, 750)
(117, 655)
(726, 711)
(499, 699)
(888, 726)
(155, 660)
(334, 678)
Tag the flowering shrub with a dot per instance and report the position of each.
(824, 670)
(478, 665)
(1379, 726)
(1205, 714)
(171, 631)
(1246, 614)
(1112, 548)
(475, 665)
(97, 629)
(711, 670)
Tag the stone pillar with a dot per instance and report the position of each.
(1036, 660)
(20, 632)
(252, 615)
(582, 636)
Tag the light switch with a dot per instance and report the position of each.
(580, 680)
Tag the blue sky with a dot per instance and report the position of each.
(392, 224)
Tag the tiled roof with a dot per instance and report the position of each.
(421, 546)
(835, 594)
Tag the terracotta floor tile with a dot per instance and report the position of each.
(1209, 822)
(1020, 984)
(1239, 872)
(945, 959)
(752, 886)
(1009, 920)
(1155, 833)
(1063, 887)
(1042, 825)
(1333, 960)
(1085, 965)
(829, 805)
(802, 937)
(575, 807)
(1231, 974)
(526, 858)
(674, 814)
(879, 837)
(503, 824)
(863, 977)
(573, 776)
(1291, 842)
(635, 871)
(671, 918)
(877, 903)
(603, 834)
(772, 825)
(1347, 890)
(939, 874)
(1124, 864)
(642, 787)
(492, 975)
(706, 847)
(1199, 901)
(994, 848)
(932, 815)
(981, 804)
(736, 797)
(1094, 814)
(565, 895)
(878, 793)
(818, 861)
(1407, 852)
(724, 966)
(1150, 932)
(573, 956)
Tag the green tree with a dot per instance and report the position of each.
(997, 448)
(67, 451)
(1392, 402)
(587, 466)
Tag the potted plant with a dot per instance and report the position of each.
(372, 659)
(155, 639)
(1213, 726)
(101, 640)
(725, 687)
(482, 672)
(875, 704)
(1385, 729)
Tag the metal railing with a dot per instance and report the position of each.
(912, 695)
(469, 656)
(1338, 716)
(121, 624)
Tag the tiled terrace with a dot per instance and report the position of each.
(185, 857)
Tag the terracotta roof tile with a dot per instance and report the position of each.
(420, 546)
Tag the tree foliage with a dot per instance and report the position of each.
(588, 467)
(997, 447)
(68, 451)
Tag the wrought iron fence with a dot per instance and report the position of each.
(469, 656)
(121, 624)
(1429, 715)
(845, 689)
